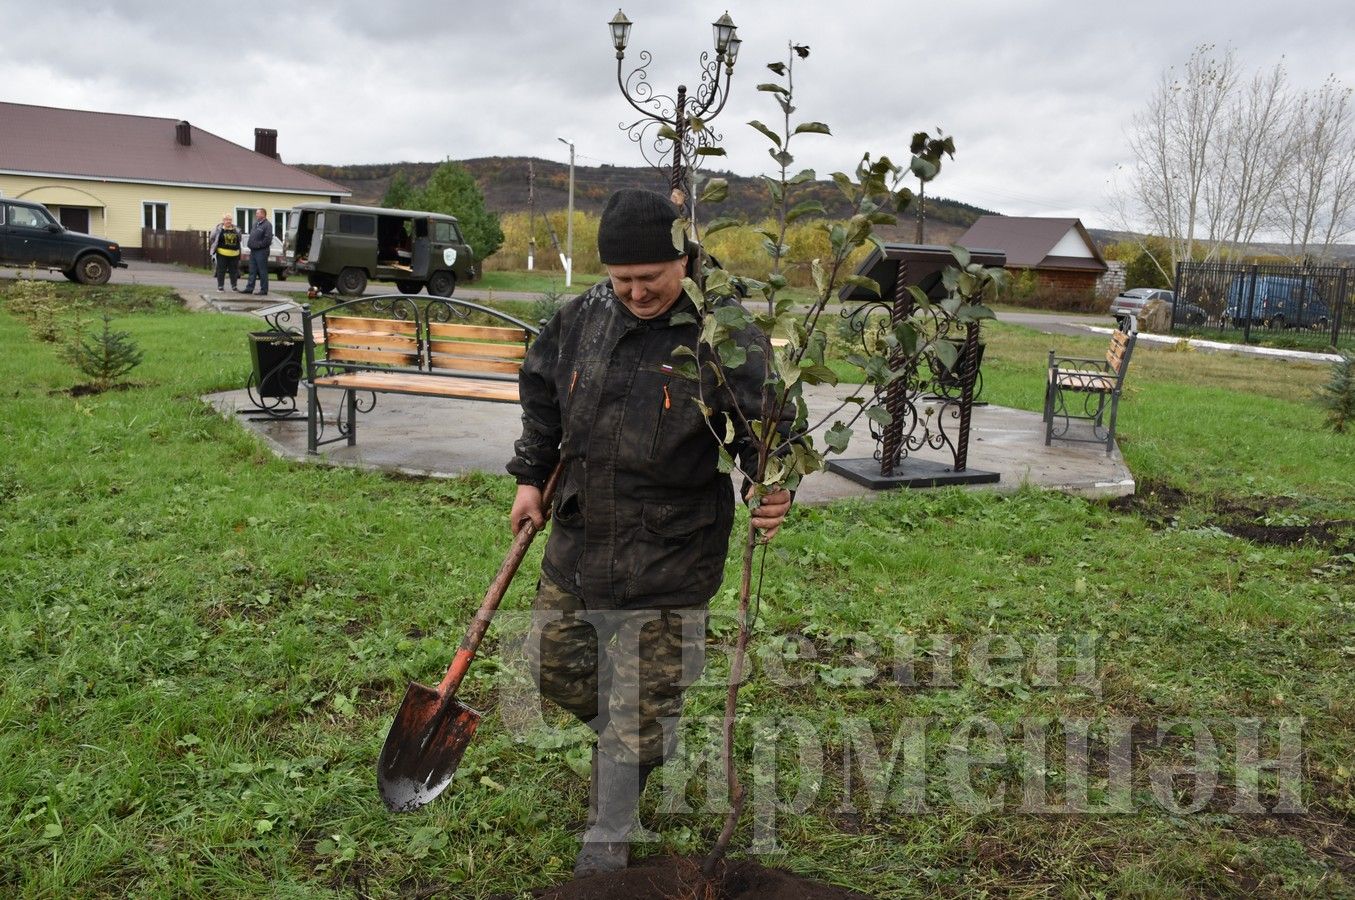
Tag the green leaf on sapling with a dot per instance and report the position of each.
(679, 234)
(923, 169)
(879, 415)
(771, 135)
(720, 224)
(804, 207)
(732, 354)
(869, 285)
(946, 352)
(837, 437)
(716, 191)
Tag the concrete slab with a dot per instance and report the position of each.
(443, 438)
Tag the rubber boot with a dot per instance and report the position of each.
(606, 844)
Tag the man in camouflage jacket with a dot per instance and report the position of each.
(642, 514)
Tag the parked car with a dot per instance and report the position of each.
(1278, 301)
(279, 265)
(31, 236)
(1132, 302)
(340, 247)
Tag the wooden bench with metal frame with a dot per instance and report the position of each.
(424, 352)
(1093, 383)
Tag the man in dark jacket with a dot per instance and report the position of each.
(642, 514)
(260, 243)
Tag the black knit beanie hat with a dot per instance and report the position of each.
(637, 227)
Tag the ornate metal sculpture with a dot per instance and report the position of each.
(929, 404)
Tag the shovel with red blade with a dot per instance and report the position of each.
(432, 728)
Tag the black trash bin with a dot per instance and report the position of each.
(277, 363)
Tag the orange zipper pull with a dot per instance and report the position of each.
(574, 379)
(667, 400)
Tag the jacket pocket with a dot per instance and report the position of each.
(674, 551)
(679, 415)
(568, 507)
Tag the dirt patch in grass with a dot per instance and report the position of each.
(679, 878)
(1264, 521)
(1326, 837)
(89, 390)
(1318, 534)
(1154, 501)
(1261, 520)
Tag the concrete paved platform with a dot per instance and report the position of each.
(446, 438)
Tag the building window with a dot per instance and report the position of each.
(155, 215)
(244, 218)
(282, 218)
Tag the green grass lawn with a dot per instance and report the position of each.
(204, 645)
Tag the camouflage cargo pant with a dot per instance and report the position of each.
(622, 672)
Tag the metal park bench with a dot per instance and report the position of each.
(1091, 385)
(400, 348)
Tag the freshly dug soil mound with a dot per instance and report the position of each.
(679, 878)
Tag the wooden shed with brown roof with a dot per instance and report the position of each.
(1058, 252)
(115, 175)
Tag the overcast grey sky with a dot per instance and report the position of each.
(1037, 94)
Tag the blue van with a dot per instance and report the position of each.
(1280, 301)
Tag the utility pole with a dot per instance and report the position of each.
(569, 225)
(531, 215)
(555, 242)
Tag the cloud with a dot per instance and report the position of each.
(1037, 95)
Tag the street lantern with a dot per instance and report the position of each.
(724, 31)
(670, 117)
(620, 26)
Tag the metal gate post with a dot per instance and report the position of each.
(1341, 299)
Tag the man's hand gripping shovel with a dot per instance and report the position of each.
(432, 728)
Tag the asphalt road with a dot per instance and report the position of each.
(189, 282)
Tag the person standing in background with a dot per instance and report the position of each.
(225, 246)
(260, 244)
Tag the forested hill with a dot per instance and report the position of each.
(503, 179)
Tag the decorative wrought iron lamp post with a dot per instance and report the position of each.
(681, 121)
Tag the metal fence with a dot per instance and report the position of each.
(1298, 306)
(187, 248)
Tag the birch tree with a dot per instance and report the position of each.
(1221, 161)
(1175, 141)
(1319, 192)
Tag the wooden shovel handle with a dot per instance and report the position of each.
(497, 588)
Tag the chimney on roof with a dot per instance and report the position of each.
(266, 141)
(183, 134)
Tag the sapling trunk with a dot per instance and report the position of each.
(736, 792)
